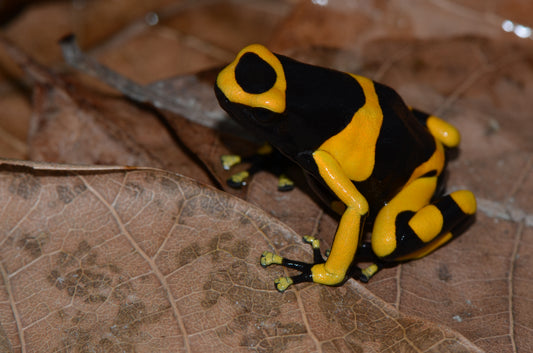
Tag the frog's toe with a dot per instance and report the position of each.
(229, 160)
(365, 274)
(283, 283)
(314, 242)
(284, 183)
(268, 258)
(238, 180)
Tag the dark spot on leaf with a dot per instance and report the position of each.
(127, 319)
(79, 188)
(106, 345)
(90, 259)
(188, 209)
(219, 242)
(75, 340)
(24, 185)
(241, 298)
(64, 194)
(240, 273)
(34, 244)
(83, 248)
(219, 281)
(169, 186)
(132, 316)
(149, 177)
(241, 249)
(353, 341)
(52, 277)
(83, 283)
(210, 299)
(244, 221)
(226, 236)
(443, 273)
(65, 259)
(113, 268)
(133, 189)
(96, 298)
(78, 318)
(292, 328)
(187, 255)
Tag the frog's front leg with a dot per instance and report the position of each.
(333, 271)
(265, 158)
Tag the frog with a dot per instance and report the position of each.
(369, 155)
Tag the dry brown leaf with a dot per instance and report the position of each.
(74, 124)
(146, 260)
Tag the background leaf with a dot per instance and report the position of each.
(143, 260)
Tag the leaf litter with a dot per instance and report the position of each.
(493, 281)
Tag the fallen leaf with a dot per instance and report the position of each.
(123, 259)
(74, 124)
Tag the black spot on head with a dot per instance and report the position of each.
(254, 75)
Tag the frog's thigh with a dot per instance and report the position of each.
(410, 227)
(412, 198)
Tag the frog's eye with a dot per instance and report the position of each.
(254, 74)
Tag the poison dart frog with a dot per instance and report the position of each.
(358, 143)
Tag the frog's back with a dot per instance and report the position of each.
(403, 144)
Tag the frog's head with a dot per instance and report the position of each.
(293, 105)
(254, 79)
(252, 90)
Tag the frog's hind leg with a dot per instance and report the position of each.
(440, 129)
(410, 226)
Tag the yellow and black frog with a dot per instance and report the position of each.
(358, 143)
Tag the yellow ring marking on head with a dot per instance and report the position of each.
(273, 99)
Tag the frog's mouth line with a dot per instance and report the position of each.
(245, 115)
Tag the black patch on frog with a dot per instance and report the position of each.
(254, 75)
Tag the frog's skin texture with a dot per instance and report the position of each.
(358, 141)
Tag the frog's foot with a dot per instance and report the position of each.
(238, 180)
(306, 269)
(368, 272)
(230, 160)
(285, 183)
(265, 158)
